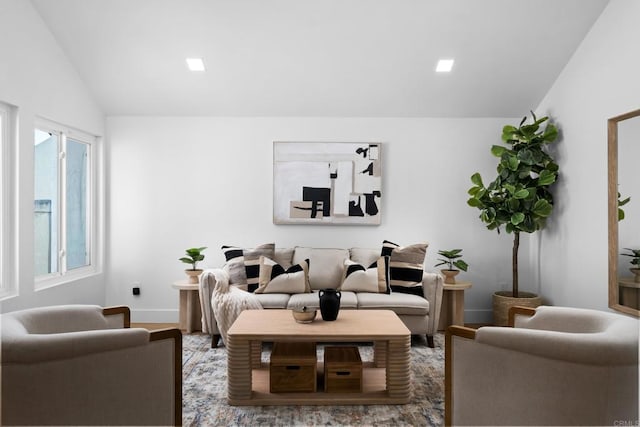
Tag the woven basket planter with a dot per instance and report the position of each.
(503, 301)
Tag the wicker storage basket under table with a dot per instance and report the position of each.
(342, 370)
(293, 367)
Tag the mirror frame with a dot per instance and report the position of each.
(612, 134)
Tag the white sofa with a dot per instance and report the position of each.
(557, 366)
(83, 365)
(420, 313)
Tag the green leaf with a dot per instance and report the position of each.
(513, 162)
(477, 179)
(620, 214)
(186, 260)
(461, 265)
(514, 204)
(473, 202)
(542, 208)
(521, 194)
(498, 150)
(517, 218)
(624, 202)
(546, 178)
(508, 132)
(550, 134)
(524, 119)
(526, 157)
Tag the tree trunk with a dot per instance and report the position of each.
(514, 262)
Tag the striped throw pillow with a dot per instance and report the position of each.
(244, 264)
(406, 266)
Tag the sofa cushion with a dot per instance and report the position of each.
(406, 265)
(398, 302)
(274, 300)
(358, 278)
(364, 256)
(235, 262)
(275, 279)
(325, 265)
(348, 300)
(252, 263)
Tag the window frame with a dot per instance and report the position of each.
(65, 275)
(8, 139)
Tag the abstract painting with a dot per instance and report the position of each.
(326, 183)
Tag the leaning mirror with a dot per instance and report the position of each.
(624, 213)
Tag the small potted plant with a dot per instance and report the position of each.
(451, 258)
(635, 262)
(194, 255)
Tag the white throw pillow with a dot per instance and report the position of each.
(375, 278)
(275, 279)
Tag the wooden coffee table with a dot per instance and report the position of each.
(386, 379)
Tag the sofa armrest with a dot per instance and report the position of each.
(207, 283)
(432, 286)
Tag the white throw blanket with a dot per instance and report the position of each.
(227, 302)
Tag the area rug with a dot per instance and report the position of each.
(205, 393)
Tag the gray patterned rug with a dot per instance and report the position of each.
(205, 393)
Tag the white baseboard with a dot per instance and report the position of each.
(478, 316)
(154, 316)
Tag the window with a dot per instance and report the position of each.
(7, 143)
(64, 232)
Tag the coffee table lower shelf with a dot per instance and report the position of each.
(374, 391)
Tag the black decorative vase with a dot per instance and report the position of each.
(329, 303)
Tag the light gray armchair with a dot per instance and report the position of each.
(557, 366)
(83, 365)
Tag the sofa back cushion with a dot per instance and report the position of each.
(325, 265)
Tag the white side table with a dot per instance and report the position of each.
(190, 314)
(452, 312)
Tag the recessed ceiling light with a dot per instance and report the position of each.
(444, 66)
(195, 64)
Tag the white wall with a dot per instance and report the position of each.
(181, 182)
(599, 82)
(36, 76)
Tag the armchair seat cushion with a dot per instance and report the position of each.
(400, 303)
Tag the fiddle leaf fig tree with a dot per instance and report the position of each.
(518, 198)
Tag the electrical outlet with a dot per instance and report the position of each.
(136, 288)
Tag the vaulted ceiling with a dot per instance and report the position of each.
(342, 58)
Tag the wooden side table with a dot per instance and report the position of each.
(190, 314)
(629, 292)
(452, 312)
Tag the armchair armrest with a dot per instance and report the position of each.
(35, 348)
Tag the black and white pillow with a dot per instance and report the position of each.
(406, 266)
(235, 262)
(375, 278)
(274, 278)
(244, 264)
